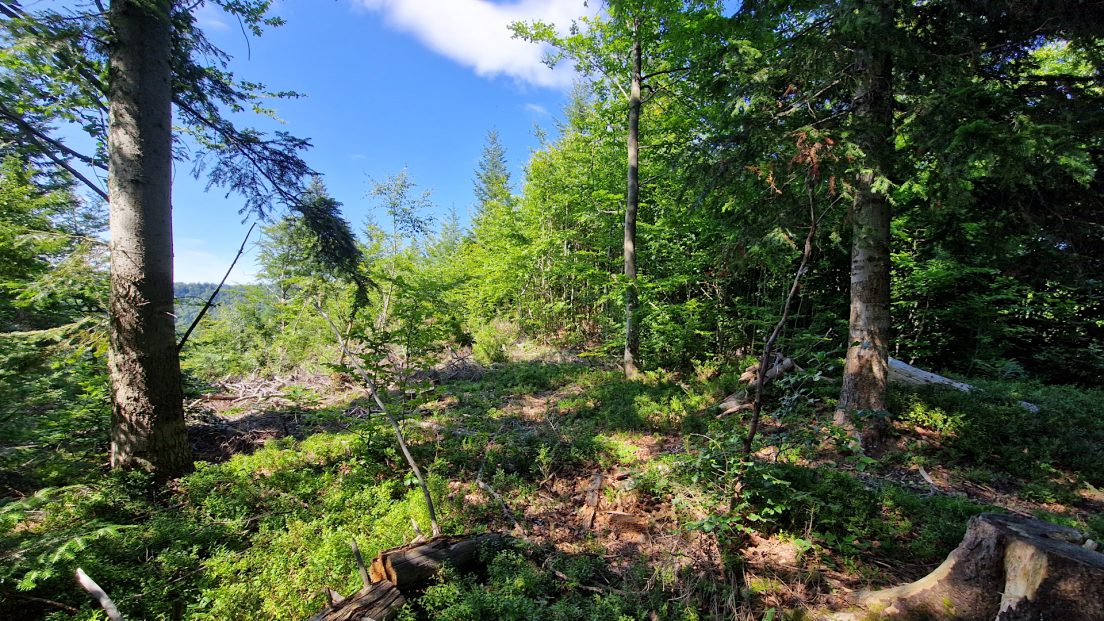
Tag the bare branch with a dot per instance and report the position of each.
(211, 300)
(94, 589)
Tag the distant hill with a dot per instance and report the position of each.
(190, 297)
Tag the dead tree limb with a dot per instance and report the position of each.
(101, 596)
(361, 567)
(768, 346)
(908, 374)
(371, 386)
(211, 300)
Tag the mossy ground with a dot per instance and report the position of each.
(710, 535)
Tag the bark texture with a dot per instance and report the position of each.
(1007, 568)
(377, 602)
(632, 203)
(147, 429)
(412, 566)
(866, 368)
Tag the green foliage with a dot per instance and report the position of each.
(850, 517)
(493, 341)
(517, 590)
(54, 407)
(997, 246)
(256, 537)
(991, 428)
(52, 269)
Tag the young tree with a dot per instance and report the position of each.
(492, 177)
(497, 236)
(406, 209)
(634, 34)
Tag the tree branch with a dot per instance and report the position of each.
(768, 347)
(211, 300)
(31, 132)
(663, 72)
(101, 596)
(58, 160)
(394, 423)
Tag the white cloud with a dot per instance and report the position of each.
(475, 33)
(536, 109)
(211, 17)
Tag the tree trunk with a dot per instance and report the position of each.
(147, 429)
(632, 202)
(1007, 568)
(866, 371)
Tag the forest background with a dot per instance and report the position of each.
(749, 133)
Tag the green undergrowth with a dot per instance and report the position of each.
(256, 537)
(260, 535)
(519, 586)
(991, 430)
(54, 412)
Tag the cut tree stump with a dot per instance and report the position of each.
(1007, 568)
(413, 566)
(378, 602)
(908, 374)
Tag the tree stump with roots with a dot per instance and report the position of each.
(1007, 568)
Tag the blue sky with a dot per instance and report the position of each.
(389, 84)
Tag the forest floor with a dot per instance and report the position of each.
(642, 485)
(625, 499)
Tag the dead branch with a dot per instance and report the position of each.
(371, 386)
(768, 347)
(101, 596)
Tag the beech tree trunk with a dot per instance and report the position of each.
(632, 203)
(866, 369)
(147, 429)
(1007, 568)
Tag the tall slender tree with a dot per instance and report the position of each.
(632, 204)
(631, 36)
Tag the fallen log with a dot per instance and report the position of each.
(742, 400)
(1007, 568)
(377, 602)
(908, 374)
(751, 374)
(412, 566)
